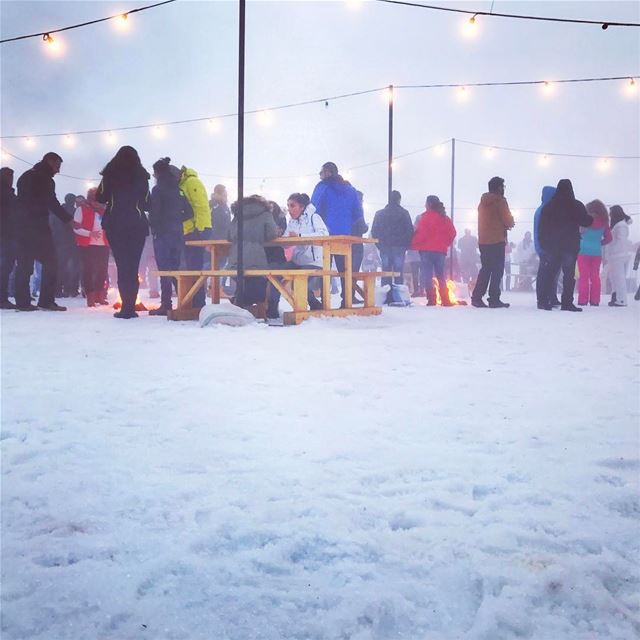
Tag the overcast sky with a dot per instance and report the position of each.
(180, 61)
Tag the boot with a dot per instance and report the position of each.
(444, 297)
(431, 297)
(160, 311)
(569, 306)
(612, 302)
(91, 299)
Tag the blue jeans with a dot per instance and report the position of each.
(433, 262)
(168, 251)
(392, 260)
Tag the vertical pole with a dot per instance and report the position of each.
(453, 189)
(240, 212)
(390, 158)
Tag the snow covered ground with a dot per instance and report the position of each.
(429, 474)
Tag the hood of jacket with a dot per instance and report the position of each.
(188, 173)
(547, 193)
(490, 199)
(252, 207)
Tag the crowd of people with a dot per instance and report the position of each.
(71, 243)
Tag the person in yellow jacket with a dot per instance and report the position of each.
(197, 227)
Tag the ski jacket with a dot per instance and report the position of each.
(618, 249)
(126, 201)
(220, 220)
(494, 219)
(392, 227)
(169, 208)
(594, 238)
(308, 224)
(547, 194)
(435, 232)
(88, 220)
(196, 194)
(8, 212)
(37, 197)
(259, 227)
(561, 219)
(338, 204)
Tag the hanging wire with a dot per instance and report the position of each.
(291, 105)
(605, 24)
(42, 34)
(548, 153)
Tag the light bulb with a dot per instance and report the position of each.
(214, 125)
(440, 149)
(122, 22)
(29, 142)
(604, 164)
(463, 94)
(54, 45)
(631, 87)
(543, 160)
(69, 140)
(470, 27)
(265, 118)
(489, 152)
(110, 138)
(548, 88)
(158, 131)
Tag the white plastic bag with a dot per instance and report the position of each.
(227, 314)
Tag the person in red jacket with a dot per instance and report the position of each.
(433, 236)
(94, 248)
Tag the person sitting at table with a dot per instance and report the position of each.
(259, 228)
(304, 222)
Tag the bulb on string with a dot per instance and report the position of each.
(439, 149)
(389, 95)
(29, 143)
(543, 160)
(122, 22)
(463, 94)
(489, 152)
(631, 87)
(54, 45)
(604, 164)
(69, 140)
(158, 131)
(265, 118)
(213, 125)
(110, 138)
(548, 88)
(470, 27)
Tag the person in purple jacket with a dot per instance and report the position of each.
(338, 204)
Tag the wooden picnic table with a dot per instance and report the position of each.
(331, 246)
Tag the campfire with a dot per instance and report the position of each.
(451, 286)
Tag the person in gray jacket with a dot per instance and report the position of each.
(259, 228)
(220, 213)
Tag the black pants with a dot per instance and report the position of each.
(95, 261)
(69, 268)
(357, 253)
(127, 246)
(168, 251)
(550, 264)
(339, 260)
(8, 254)
(274, 294)
(491, 271)
(36, 244)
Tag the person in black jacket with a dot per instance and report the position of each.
(124, 188)
(67, 254)
(393, 229)
(36, 198)
(8, 246)
(169, 208)
(559, 235)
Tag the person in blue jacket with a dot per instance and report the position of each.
(339, 206)
(543, 303)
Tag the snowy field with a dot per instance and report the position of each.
(429, 474)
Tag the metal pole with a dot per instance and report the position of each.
(240, 212)
(453, 188)
(390, 158)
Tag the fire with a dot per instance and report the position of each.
(139, 304)
(451, 286)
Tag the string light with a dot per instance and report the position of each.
(489, 152)
(463, 94)
(29, 143)
(158, 131)
(69, 140)
(54, 45)
(389, 95)
(543, 160)
(604, 164)
(439, 149)
(548, 88)
(470, 27)
(111, 138)
(122, 22)
(265, 118)
(632, 87)
(214, 125)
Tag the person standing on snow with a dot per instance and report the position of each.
(592, 240)
(220, 213)
(124, 188)
(67, 253)
(468, 247)
(338, 204)
(196, 228)
(434, 235)
(544, 290)
(559, 234)
(93, 247)
(37, 198)
(169, 208)
(494, 220)
(8, 242)
(393, 229)
(618, 254)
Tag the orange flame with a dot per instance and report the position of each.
(451, 286)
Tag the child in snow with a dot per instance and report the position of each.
(618, 254)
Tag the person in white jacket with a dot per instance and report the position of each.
(617, 253)
(304, 222)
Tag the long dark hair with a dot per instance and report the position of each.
(618, 215)
(163, 172)
(125, 165)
